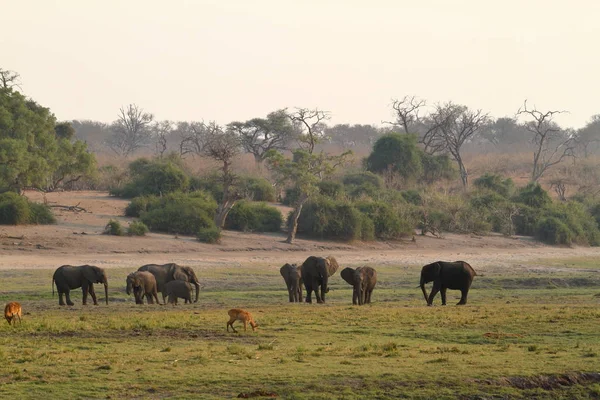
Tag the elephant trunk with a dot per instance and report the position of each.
(197, 290)
(424, 290)
(106, 290)
(128, 289)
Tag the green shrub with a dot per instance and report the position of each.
(332, 189)
(363, 178)
(526, 220)
(553, 231)
(437, 167)
(209, 184)
(387, 225)
(495, 183)
(412, 197)
(254, 217)
(257, 189)
(367, 228)
(14, 209)
(210, 235)
(114, 228)
(40, 214)
(137, 228)
(533, 195)
(291, 196)
(578, 220)
(140, 204)
(152, 177)
(327, 219)
(181, 213)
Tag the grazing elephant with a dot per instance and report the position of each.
(178, 289)
(363, 280)
(70, 277)
(316, 272)
(293, 279)
(142, 283)
(171, 272)
(456, 275)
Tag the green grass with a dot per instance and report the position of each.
(393, 348)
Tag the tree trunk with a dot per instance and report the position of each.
(222, 211)
(464, 176)
(258, 162)
(294, 222)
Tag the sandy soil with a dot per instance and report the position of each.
(78, 239)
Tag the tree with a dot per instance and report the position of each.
(131, 131)
(64, 130)
(31, 152)
(259, 135)
(398, 154)
(456, 125)
(161, 132)
(9, 79)
(504, 133)
(223, 146)
(588, 137)
(310, 125)
(551, 143)
(407, 113)
(192, 137)
(347, 135)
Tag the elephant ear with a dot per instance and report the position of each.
(92, 274)
(348, 275)
(180, 275)
(284, 269)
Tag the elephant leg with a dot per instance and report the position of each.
(308, 294)
(463, 297)
(68, 298)
(434, 290)
(149, 298)
(93, 294)
(317, 295)
(156, 297)
(323, 291)
(354, 296)
(443, 293)
(60, 299)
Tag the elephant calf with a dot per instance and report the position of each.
(292, 276)
(363, 280)
(142, 283)
(69, 277)
(178, 289)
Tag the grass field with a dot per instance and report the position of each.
(526, 333)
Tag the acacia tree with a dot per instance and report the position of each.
(457, 125)
(305, 169)
(9, 79)
(192, 137)
(551, 143)
(588, 137)
(161, 132)
(406, 112)
(223, 146)
(259, 135)
(131, 131)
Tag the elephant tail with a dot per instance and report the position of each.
(52, 286)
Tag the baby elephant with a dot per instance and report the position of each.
(236, 314)
(12, 311)
(178, 289)
(142, 283)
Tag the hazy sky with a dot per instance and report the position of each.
(235, 60)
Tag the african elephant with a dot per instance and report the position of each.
(293, 279)
(456, 275)
(178, 289)
(70, 277)
(142, 283)
(363, 280)
(316, 272)
(170, 272)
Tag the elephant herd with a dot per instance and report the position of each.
(175, 281)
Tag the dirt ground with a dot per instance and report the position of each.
(78, 239)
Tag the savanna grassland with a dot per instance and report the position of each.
(529, 331)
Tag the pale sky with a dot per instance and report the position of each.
(240, 59)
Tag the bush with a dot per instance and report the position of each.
(553, 231)
(331, 189)
(363, 178)
(14, 209)
(181, 213)
(526, 220)
(254, 217)
(113, 228)
(437, 167)
(210, 235)
(152, 177)
(140, 204)
(291, 196)
(495, 183)
(412, 197)
(137, 228)
(533, 195)
(386, 223)
(40, 214)
(581, 224)
(257, 189)
(327, 219)
(209, 184)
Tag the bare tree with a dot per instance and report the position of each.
(407, 112)
(551, 143)
(9, 79)
(456, 125)
(311, 127)
(260, 135)
(161, 132)
(131, 131)
(223, 146)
